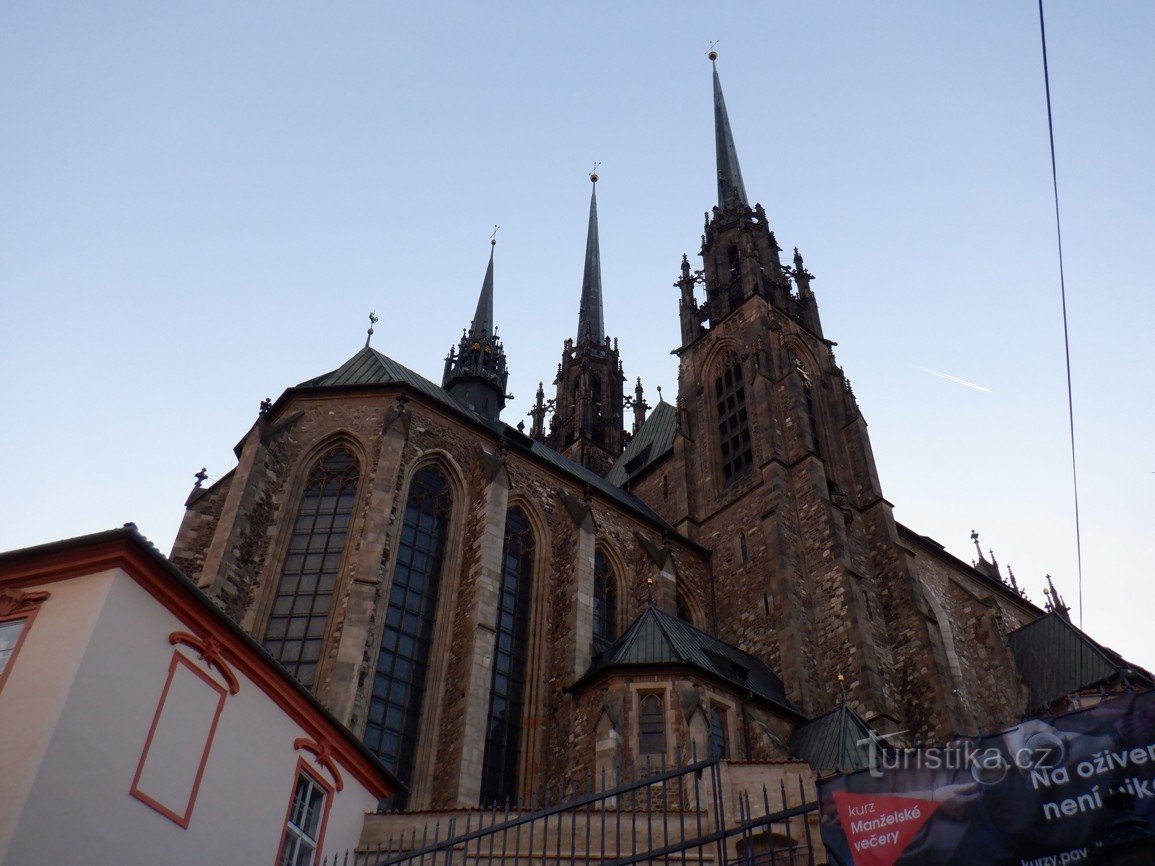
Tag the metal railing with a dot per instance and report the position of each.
(669, 815)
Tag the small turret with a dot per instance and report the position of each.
(475, 373)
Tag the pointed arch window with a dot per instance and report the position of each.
(402, 663)
(507, 695)
(718, 745)
(605, 603)
(733, 423)
(300, 613)
(651, 725)
(809, 406)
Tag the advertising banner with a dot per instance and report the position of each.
(1035, 795)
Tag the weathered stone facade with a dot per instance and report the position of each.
(760, 520)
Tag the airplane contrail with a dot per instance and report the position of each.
(951, 378)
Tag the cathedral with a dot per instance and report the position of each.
(491, 609)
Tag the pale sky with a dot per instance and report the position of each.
(201, 203)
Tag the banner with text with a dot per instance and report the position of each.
(1035, 795)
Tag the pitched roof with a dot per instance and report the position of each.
(130, 551)
(653, 440)
(658, 639)
(833, 741)
(370, 367)
(1055, 659)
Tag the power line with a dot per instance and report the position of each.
(1063, 294)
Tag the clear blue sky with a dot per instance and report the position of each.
(200, 203)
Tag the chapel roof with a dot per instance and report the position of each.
(656, 638)
(834, 741)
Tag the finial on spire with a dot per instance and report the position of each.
(594, 173)
(975, 539)
(493, 237)
(661, 399)
(202, 476)
(373, 320)
(711, 53)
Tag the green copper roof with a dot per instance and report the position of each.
(656, 638)
(1056, 659)
(834, 741)
(653, 440)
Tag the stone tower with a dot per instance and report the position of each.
(772, 470)
(587, 422)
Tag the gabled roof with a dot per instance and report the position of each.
(1056, 659)
(370, 367)
(834, 741)
(658, 639)
(134, 554)
(652, 441)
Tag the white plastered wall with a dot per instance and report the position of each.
(80, 809)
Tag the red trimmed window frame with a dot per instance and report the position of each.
(181, 820)
(303, 767)
(23, 606)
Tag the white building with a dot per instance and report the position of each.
(139, 725)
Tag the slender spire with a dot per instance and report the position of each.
(482, 324)
(475, 371)
(590, 323)
(730, 186)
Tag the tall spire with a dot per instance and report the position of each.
(730, 186)
(590, 323)
(475, 371)
(482, 324)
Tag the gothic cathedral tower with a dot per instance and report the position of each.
(587, 422)
(777, 478)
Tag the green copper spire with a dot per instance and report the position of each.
(730, 186)
(590, 323)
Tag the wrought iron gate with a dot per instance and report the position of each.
(668, 816)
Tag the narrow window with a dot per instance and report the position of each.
(651, 726)
(733, 424)
(605, 603)
(810, 408)
(744, 548)
(812, 419)
(718, 747)
(304, 825)
(399, 683)
(305, 589)
(503, 731)
(10, 632)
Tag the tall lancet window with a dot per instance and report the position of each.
(733, 425)
(503, 731)
(605, 603)
(305, 590)
(399, 683)
(810, 408)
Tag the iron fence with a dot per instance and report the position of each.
(675, 816)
